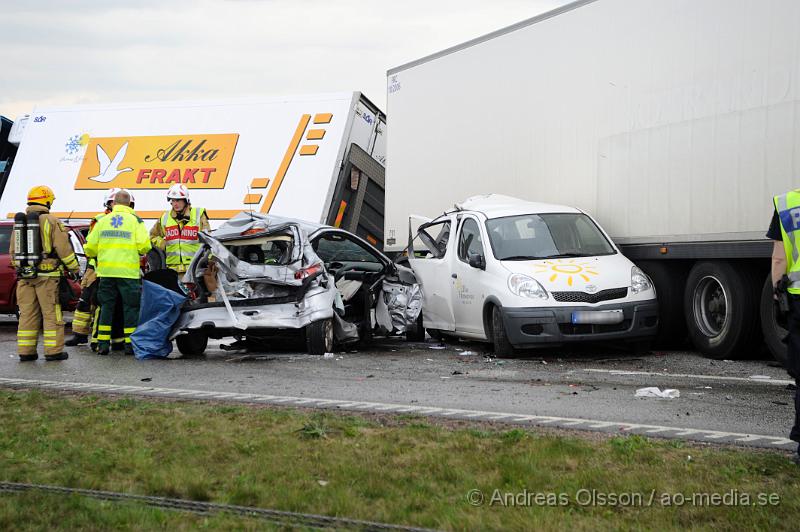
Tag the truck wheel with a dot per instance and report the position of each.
(720, 307)
(502, 347)
(192, 344)
(774, 332)
(319, 337)
(416, 331)
(669, 278)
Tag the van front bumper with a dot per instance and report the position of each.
(536, 326)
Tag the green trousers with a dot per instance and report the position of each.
(129, 293)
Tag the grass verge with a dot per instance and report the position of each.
(412, 473)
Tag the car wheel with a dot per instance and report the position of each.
(502, 347)
(319, 337)
(773, 329)
(720, 307)
(192, 344)
(416, 331)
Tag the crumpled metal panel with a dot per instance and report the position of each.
(398, 306)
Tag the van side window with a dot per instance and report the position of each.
(431, 242)
(469, 242)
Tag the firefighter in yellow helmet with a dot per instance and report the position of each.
(40, 257)
(84, 312)
(117, 241)
(176, 232)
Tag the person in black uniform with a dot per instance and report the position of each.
(779, 269)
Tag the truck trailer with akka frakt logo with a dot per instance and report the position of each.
(673, 123)
(319, 158)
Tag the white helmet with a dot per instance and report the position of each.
(109, 197)
(178, 191)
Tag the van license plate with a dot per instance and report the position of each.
(598, 317)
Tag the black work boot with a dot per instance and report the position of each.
(129, 350)
(63, 355)
(118, 346)
(28, 358)
(77, 339)
(103, 349)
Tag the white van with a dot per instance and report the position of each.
(522, 274)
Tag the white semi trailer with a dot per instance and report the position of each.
(673, 123)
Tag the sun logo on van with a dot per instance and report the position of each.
(571, 268)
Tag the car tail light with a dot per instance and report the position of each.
(308, 272)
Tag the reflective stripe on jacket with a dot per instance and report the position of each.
(788, 208)
(117, 241)
(182, 242)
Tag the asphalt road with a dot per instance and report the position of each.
(591, 388)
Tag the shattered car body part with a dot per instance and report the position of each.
(652, 391)
(276, 275)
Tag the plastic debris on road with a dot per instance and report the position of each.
(327, 355)
(437, 347)
(653, 391)
(466, 353)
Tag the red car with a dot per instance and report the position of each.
(8, 277)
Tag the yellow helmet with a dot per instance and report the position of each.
(41, 194)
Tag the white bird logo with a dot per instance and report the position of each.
(109, 170)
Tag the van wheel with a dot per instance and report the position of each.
(319, 337)
(720, 307)
(774, 331)
(669, 278)
(192, 344)
(502, 347)
(416, 331)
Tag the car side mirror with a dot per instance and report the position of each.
(476, 260)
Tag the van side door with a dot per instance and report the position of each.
(468, 278)
(430, 255)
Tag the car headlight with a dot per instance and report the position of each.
(525, 286)
(639, 281)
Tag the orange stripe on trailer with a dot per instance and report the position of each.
(323, 118)
(287, 160)
(252, 199)
(259, 182)
(315, 134)
(309, 149)
(340, 214)
(372, 240)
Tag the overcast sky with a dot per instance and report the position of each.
(66, 52)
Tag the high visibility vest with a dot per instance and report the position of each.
(91, 261)
(181, 242)
(788, 208)
(114, 237)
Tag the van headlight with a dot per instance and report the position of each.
(525, 286)
(639, 281)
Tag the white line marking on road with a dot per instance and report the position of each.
(698, 434)
(777, 382)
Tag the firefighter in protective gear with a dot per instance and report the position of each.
(117, 241)
(37, 297)
(84, 312)
(176, 232)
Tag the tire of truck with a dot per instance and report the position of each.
(436, 334)
(192, 344)
(720, 307)
(319, 337)
(502, 347)
(774, 332)
(416, 331)
(669, 278)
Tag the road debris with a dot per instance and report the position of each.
(653, 391)
(437, 347)
(327, 355)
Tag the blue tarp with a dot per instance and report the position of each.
(162, 307)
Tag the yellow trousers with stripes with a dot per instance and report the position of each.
(39, 310)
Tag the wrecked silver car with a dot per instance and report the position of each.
(261, 276)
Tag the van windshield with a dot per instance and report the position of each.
(546, 236)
